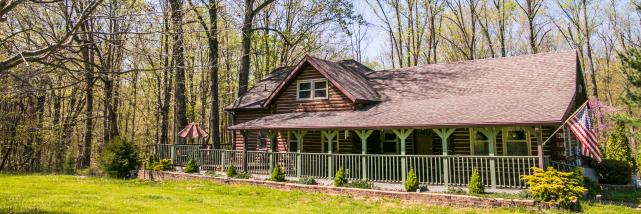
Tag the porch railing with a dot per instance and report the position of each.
(495, 171)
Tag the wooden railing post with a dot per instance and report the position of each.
(223, 157)
(539, 146)
(299, 144)
(402, 135)
(363, 135)
(173, 153)
(491, 133)
(244, 151)
(272, 144)
(329, 137)
(444, 134)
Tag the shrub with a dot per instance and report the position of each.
(455, 191)
(118, 158)
(163, 165)
(361, 184)
(339, 179)
(231, 171)
(151, 160)
(277, 174)
(191, 167)
(555, 187)
(307, 181)
(613, 172)
(618, 147)
(411, 185)
(243, 175)
(475, 186)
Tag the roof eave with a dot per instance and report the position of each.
(415, 126)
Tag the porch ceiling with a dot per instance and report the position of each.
(462, 111)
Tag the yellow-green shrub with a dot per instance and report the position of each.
(411, 185)
(475, 186)
(191, 167)
(339, 178)
(556, 187)
(277, 174)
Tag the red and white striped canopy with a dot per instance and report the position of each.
(193, 131)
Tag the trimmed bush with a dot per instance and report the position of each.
(231, 171)
(118, 158)
(307, 181)
(277, 174)
(339, 178)
(191, 167)
(163, 165)
(476, 185)
(411, 185)
(556, 187)
(614, 172)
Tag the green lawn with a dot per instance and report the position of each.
(72, 194)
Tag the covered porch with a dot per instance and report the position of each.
(439, 156)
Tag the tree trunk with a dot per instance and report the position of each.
(84, 158)
(243, 74)
(179, 63)
(214, 130)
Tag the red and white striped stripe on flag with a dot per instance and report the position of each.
(581, 126)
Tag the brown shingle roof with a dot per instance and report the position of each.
(255, 97)
(531, 89)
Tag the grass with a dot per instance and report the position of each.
(73, 194)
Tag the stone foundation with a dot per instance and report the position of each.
(407, 197)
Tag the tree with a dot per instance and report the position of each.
(212, 40)
(618, 147)
(536, 30)
(179, 66)
(246, 32)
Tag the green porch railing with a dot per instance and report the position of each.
(496, 171)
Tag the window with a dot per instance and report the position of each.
(517, 142)
(311, 89)
(481, 144)
(262, 140)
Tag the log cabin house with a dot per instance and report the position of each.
(441, 120)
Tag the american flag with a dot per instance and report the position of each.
(581, 126)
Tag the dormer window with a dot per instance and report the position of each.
(311, 89)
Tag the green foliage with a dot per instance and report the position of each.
(411, 185)
(151, 160)
(243, 175)
(455, 191)
(339, 178)
(307, 181)
(556, 187)
(631, 69)
(277, 174)
(231, 171)
(118, 158)
(618, 147)
(191, 167)
(163, 165)
(69, 165)
(475, 185)
(614, 172)
(361, 184)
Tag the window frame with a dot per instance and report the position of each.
(506, 143)
(312, 89)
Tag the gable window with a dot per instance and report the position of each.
(311, 89)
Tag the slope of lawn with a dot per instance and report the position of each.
(74, 194)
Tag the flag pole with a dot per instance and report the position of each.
(566, 121)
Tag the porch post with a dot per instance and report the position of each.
(244, 151)
(491, 138)
(271, 134)
(299, 143)
(402, 135)
(444, 134)
(329, 136)
(363, 135)
(539, 146)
